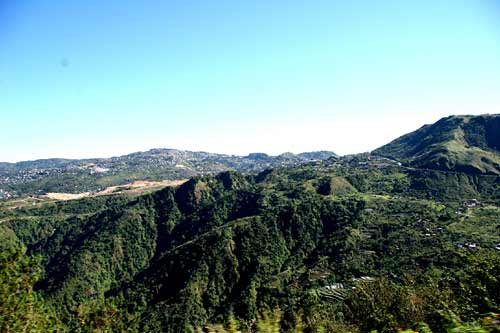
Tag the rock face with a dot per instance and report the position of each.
(468, 144)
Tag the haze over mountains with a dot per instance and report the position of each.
(317, 166)
(404, 235)
(469, 144)
(387, 239)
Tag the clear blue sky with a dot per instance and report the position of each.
(102, 78)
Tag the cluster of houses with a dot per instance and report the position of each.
(363, 161)
(470, 246)
(382, 162)
(93, 168)
(27, 175)
(468, 204)
(5, 195)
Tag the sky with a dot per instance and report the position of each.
(104, 78)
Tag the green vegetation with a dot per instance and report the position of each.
(467, 144)
(344, 245)
(21, 309)
(93, 175)
(353, 244)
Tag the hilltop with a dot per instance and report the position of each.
(381, 241)
(94, 175)
(469, 144)
(383, 244)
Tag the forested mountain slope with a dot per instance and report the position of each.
(348, 244)
(468, 144)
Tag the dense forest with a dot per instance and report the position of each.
(359, 243)
(351, 244)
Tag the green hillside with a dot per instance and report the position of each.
(346, 245)
(469, 144)
(93, 175)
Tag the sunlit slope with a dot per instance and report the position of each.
(468, 144)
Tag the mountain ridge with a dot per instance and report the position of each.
(384, 244)
(234, 244)
(158, 164)
(469, 144)
(461, 143)
(157, 151)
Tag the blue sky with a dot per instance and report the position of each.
(102, 78)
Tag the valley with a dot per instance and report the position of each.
(374, 241)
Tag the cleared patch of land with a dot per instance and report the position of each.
(136, 187)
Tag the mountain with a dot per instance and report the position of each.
(317, 155)
(350, 244)
(357, 243)
(75, 176)
(469, 144)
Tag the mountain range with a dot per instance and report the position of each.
(405, 238)
(468, 144)
(82, 175)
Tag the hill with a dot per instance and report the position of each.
(310, 243)
(93, 175)
(469, 144)
(346, 244)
